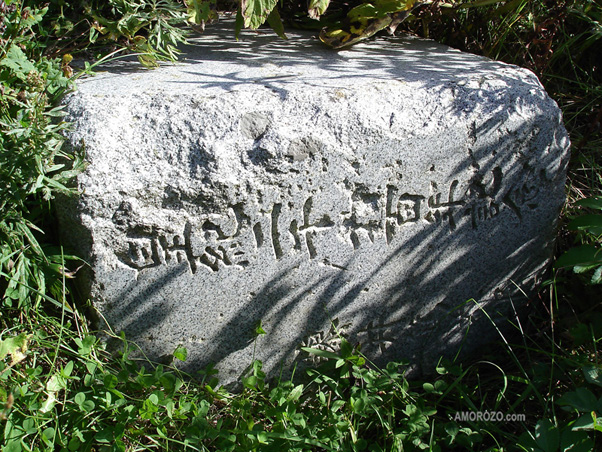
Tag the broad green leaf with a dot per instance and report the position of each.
(49, 403)
(119, 446)
(587, 422)
(593, 374)
(80, 398)
(276, 24)
(181, 353)
(592, 203)
(85, 345)
(320, 353)
(201, 11)
(91, 367)
(48, 433)
(105, 435)
(597, 276)
(581, 334)
(74, 444)
(527, 442)
(295, 393)
(451, 428)
(55, 113)
(362, 444)
(12, 446)
(590, 222)
(170, 407)
(110, 381)
(250, 382)
(56, 383)
(584, 268)
(68, 369)
(28, 19)
(16, 60)
(30, 426)
(357, 404)
(575, 441)
(364, 11)
(547, 436)
(317, 7)
(259, 329)
(581, 400)
(581, 255)
(346, 348)
(440, 385)
(162, 431)
(337, 405)
(88, 406)
(357, 360)
(256, 12)
(262, 437)
(239, 23)
(168, 380)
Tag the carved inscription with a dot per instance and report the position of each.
(233, 239)
(524, 195)
(324, 340)
(478, 200)
(379, 334)
(216, 242)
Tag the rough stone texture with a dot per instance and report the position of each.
(382, 187)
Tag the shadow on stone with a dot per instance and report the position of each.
(381, 188)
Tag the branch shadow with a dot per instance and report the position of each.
(420, 300)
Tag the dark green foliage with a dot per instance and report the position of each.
(76, 397)
(151, 28)
(33, 166)
(60, 390)
(586, 258)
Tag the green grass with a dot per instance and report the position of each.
(61, 390)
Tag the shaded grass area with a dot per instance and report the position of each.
(540, 390)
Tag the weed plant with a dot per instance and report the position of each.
(33, 165)
(61, 390)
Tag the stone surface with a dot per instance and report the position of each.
(391, 188)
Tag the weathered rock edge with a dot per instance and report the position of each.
(395, 188)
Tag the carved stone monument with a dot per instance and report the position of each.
(395, 188)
